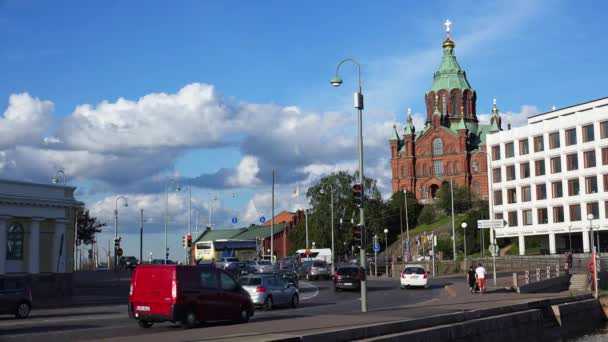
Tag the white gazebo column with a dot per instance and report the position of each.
(59, 246)
(586, 241)
(34, 246)
(522, 244)
(3, 230)
(552, 249)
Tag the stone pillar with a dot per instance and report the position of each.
(552, 249)
(586, 242)
(34, 246)
(522, 245)
(59, 261)
(3, 230)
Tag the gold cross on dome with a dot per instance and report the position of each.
(447, 24)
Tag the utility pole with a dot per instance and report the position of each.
(306, 224)
(407, 224)
(141, 235)
(453, 227)
(272, 222)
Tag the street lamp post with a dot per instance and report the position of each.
(126, 204)
(407, 226)
(331, 192)
(464, 231)
(386, 250)
(453, 227)
(177, 188)
(595, 292)
(56, 179)
(358, 103)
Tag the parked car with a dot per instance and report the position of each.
(225, 261)
(414, 275)
(239, 269)
(290, 276)
(314, 269)
(268, 290)
(127, 262)
(348, 277)
(15, 298)
(187, 295)
(262, 266)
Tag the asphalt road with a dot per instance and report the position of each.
(317, 298)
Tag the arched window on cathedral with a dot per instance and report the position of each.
(437, 147)
(444, 105)
(403, 172)
(454, 103)
(465, 104)
(476, 188)
(457, 168)
(450, 168)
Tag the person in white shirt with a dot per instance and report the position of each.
(480, 275)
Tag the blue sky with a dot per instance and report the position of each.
(124, 95)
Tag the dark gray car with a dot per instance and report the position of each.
(15, 298)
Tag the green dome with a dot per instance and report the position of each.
(450, 75)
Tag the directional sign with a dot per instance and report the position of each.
(376, 248)
(234, 220)
(119, 252)
(262, 219)
(481, 224)
(493, 249)
(307, 251)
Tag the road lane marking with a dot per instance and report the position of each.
(308, 285)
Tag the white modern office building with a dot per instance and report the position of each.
(548, 176)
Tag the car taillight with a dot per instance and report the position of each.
(425, 275)
(173, 290)
(338, 277)
(260, 289)
(403, 275)
(131, 290)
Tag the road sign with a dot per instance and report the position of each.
(234, 220)
(376, 248)
(307, 251)
(484, 224)
(262, 219)
(119, 252)
(493, 249)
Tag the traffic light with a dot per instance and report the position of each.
(117, 242)
(358, 195)
(184, 241)
(189, 240)
(357, 234)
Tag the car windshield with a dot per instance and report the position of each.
(414, 270)
(250, 281)
(263, 262)
(348, 271)
(319, 264)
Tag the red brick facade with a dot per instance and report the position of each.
(282, 245)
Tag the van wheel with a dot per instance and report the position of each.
(244, 316)
(144, 324)
(23, 310)
(190, 320)
(295, 300)
(268, 304)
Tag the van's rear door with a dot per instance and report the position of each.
(152, 287)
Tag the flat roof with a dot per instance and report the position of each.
(571, 106)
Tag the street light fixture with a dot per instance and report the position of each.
(331, 192)
(386, 250)
(125, 204)
(56, 179)
(595, 292)
(336, 81)
(177, 189)
(464, 231)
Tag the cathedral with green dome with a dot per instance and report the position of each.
(451, 144)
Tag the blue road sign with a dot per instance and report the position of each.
(262, 219)
(376, 248)
(234, 220)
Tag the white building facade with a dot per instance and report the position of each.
(36, 227)
(548, 176)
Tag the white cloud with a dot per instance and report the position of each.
(25, 120)
(246, 173)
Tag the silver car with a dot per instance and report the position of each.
(268, 290)
(262, 266)
(225, 262)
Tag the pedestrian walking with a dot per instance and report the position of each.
(480, 275)
(472, 280)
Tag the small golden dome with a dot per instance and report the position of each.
(448, 43)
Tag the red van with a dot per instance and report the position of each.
(186, 294)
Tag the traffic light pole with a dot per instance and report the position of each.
(359, 105)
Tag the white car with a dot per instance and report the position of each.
(414, 275)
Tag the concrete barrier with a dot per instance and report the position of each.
(557, 284)
(524, 321)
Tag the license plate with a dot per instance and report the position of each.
(348, 284)
(413, 277)
(142, 308)
(320, 269)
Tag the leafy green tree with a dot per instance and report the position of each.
(88, 226)
(397, 211)
(444, 244)
(463, 199)
(427, 214)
